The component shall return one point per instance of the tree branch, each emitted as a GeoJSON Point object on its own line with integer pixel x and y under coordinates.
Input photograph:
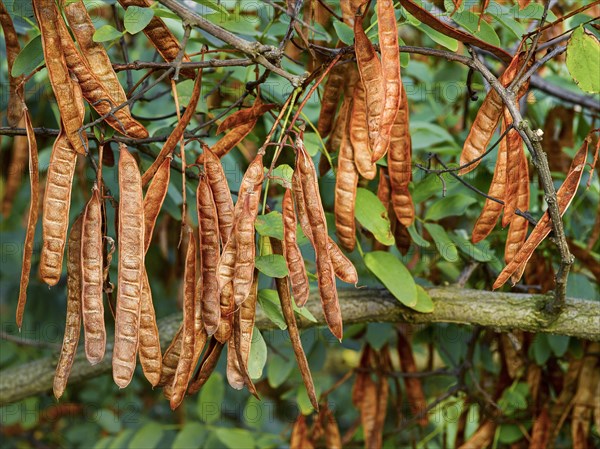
{"type": "Point", "coordinates": [497, 310]}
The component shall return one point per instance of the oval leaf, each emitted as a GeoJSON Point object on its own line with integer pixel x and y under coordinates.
{"type": "Point", "coordinates": [583, 60]}
{"type": "Point", "coordinates": [137, 18]}
{"type": "Point", "coordinates": [394, 275]}
{"type": "Point", "coordinates": [445, 246]}
{"type": "Point", "coordinates": [29, 58]}
{"type": "Point", "coordinates": [106, 33]}
{"type": "Point", "coordinates": [272, 265]}
{"type": "Point", "coordinates": [372, 215]}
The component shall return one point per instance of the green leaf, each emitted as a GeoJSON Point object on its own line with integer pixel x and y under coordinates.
{"type": "Point", "coordinates": [279, 369]}
{"type": "Point", "coordinates": [30, 57]}
{"type": "Point", "coordinates": [148, 437]}
{"type": "Point", "coordinates": [558, 343]}
{"type": "Point", "coordinates": [480, 252]}
{"type": "Point", "coordinates": [269, 302]}
{"type": "Point", "coordinates": [191, 436]}
{"type": "Point", "coordinates": [394, 275]}
{"type": "Point", "coordinates": [445, 246]}
{"type": "Point", "coordinates": [583, 60]}
{"type": "Point", "coordinates": [304, 312]}
{"type": "Point", "coordinates": [270, 225]}
{"type": "Point", "coordinates": [510, 433]}
{"type": "Point", "coordinates": [470, 22]}
{"type": "Point", "coordinates": [312, 143]}
{"type": "Point", "coordinates": [404, 57]}
{"type": "Point", "coordinates": [273, 265]}
{"type": "Point", "coordinates": [424, 302]}
{"type": "Point", "coordinates": [214, 6]}
{"type": "Point", "coordinates": [258, 355]}
{"type": "Point", "coordinates": [344, 32]}
{"type": "Point", "coordinates": [210, 400]}
{"type": "Point", "coordinates": [439, 38]}
{"type": "Point", "coordinates": [137, 18]}
{"type": "Point", "coordinates": [235, 438]}
{"type": "Point", "coordinates": [425, 135]}
{"type": "Point", "coordinates": [372, 215]}
{"type": "Point", "coordinates": [449, 206]}
{"type": "Point", "coordinates": [282, 175]}
{"type": "Point", "coordinates": [540, 349]}
{"type": "Point", "coordinates": [417, 238]}
{"type": "Point", "coordinates": [107, 33]}
{"type": "Point", "coordinates": [108, 421]}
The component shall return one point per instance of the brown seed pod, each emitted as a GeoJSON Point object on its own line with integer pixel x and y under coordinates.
{"type": "Point", "coordinates": [184, 366]}
{"type": "Point", "coordinates": [346, 183]}
{"type": "Point", "coordinates": [359, 136]}
{"type": "Point", "coordinates": [207, 366]}
{"type": "Point", "coordinates": [293, 256]}
{"type": "Point", "coordinates": [175, 136]}
{"type": "Point", "coordinates": [73, 324]}
{"type": "Point", "coordinates": [14, 109]}
{"type": "Point", "coordinates": [246, 247]}
{"type": "Point", "coordinates": [399, 166]}
{"type": "Point", "coordinates": [92, 279]}
{"type": "Point", "coordinates": [230, 140]}
{"type": "Point", "coordinates": [371, 75]}
{"type": "Point", "coordinates": [131, 268]}
{"type": "Point", "coordinates": [32, 217]}
{"type": "Point", "coordinates": [95, 93]}
{"type": "Point", "coordinates": [149, 342]}
{"type": "Point", "coordinates": [390, 63]}
{"type": "Point", "coordinates": [307, 178]}
{"type": "Point", "coordinates": [244, 116]}
{"type": "Point", "coordinates": [94, 52]}
{"type": "Point", "coordinates": [16, 168]}
{"type": "Point", "coordinates": [170, 359]}
{"type": "Point", "coordinates": [329, 101]}
{"type": "Point", "coordinates": [221, 194]}
{"type": "Point", "coordinates": [492, 209]}
{"type": "Point", "coordinates": [290, 319]}
{"type": "Point", "coordinates": [161, 37]}
{"type": "Point", "coordinates": [414, 389]}
{"type": "Point", "coordinates": [542, 229]}
{"type": "Point", "coordinates": [227, 306]}
{"type": "Point", "coordinates": [300, 438]}
{"type": "Point", "coordinates": [514, 161]}
{"type": "Point", "coordinates": [64, 91]}
{"type": "Point", "coordinates": [208, 231]}
{"type": "Point", "coordinates": [154, 199]}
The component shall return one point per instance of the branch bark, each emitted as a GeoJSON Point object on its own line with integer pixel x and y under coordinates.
{"type": "Point", "coordinates": [497, 310]}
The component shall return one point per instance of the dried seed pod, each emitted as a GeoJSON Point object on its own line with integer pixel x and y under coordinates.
{"type": "Point", "coordinates": [47, 17]}
{"type": "Point", "coordinates": [482, 437]}
{"type": "Point", "coordinates": [307, 178]}
{"type": "Point", "coordinates": [14, 174]}
{"type": "Point", "coordinates": [149, 342]}
{"type": "Point", "coordinates": [154, 199]}
{"type": "Point", "coordinates": [230, 140]}
{"type": "Point", "coordinates": [32, 217]}
{"type": "Point", "coordinates": [161, 37]}
{"type": "Point", "coordinates": [290, 319]}
{"type": "Point", "coordinates": [227, 306]}
{"type": "Point", "coordinates": [184, 366]}
{"type": "Point", "coordinates": [131, 268]}
{"type": "Point", "coordinates": [244, 116]}
{"type": "Point", "coordinates": [300, 438]}
{"type": "Point", "coordinates": [293, 256]}
{"type": "Point", "coordinates": [492, 209]}
{"type": "Point", "coordinates": [92, 280]}
{"type": "Point", "coordinates": [14, 109]}
{"type": "Point", "coordinates": [414, 389]}
{"type": "Point", "coordinates": [333, 439]}
{"type": "Point", "coordinates": [371, 75]}
{"type": "Point", "coordinates": [390, 63]}
{"type": "Point", "coordinates": [170, 359]}
{"type": "Point", "coordinates": [220, 191]}
{"type": "Point", "coordinates": [359, 136]}
{"type": "Point", "coordinates": [175, 136]}
{"type": "Point", "coordinates": [346, 183]}
{"type": "Point", "coordinates": [57, 202]}
{"type": "Point", "coordinates": [207, 366]}
{"type": "Point", "coordinates": [246, 247]}
{"type": "Point", "coordinates": [340, 127]}
{"type": "Point", "coordinates": [329, 100]}
{"type": "Point", "coordinates": [73, 324]}
{"type": "Point", "coordinates": [399, 166]}
{"type": "Point", "coordinates": [514, 161]}
{"type": "Point", "coordinates": [94, 52]}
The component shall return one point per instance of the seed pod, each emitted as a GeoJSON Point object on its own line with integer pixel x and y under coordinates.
{"type": "Point", "coordinates": [246, 247]}
{"type": "Point", "coordinates": [414, 389]}
{"type": "Point", "coordinates": [290, 319]}
{"type": "Point", "coordinates": [333, 439]}
{"type": "Point", "coordinates": [340, 127]}
{"type": "Point", "coordinates": [161, 37]}
{"type": "Point", "coordinates": [359, 136]}
{"type": "Point", "coordinates": [300, 438]}
{"type": "Point", "coordinates": [514, 161]}
{"type": "Point", "coordinates": [14, 109]}
{"type": "Point", "coordinates": [184, 366]}
{"type": "Point", "coordinates": [149, 342]}
{"type": "Point", "coordinates": [399, 166]}
{"type": "Point", "coordinates": [95, 93]}
{"type": "Point", "coordinates": [230, 140]}
{"type": "Point", "coordinates": [92, 279]}
{"type": "Point", "coordinates": [244, 116]}
{"type": "Point", "coordinates": [293, 256]}
{"type": "Point", "coordinates": [208, 231]}
{"type": "Point", "coordinates": [175, 136]}
{"type": "Point", "coordinates": [371, 75]}
{"type": "Point", "coordinates": [73, 324]}
{"type": "Point", "coordinates": [207, 366]}
{"type": "Point", "coordinates": [346, 183]}
{"type": "Point", "coordinates": [492, 209]}
{"type": "Point", "coordinates": [16, 168]}
{"type": "Point", "coordinates": [390, 63]}
{"type": "Point", "coordinates": [564, 195]}
{"type": "Point", "coordinates": [227, 306]}
{"type": "Point", "coordinates": [32, 217]}
{"type": "Point", "coordinates": [329, 100]}
{"type": "Point", "coordinates": [221, 194]}
{"type": "Point", "coordinates": [131, 268]}
{"type": "Point", "coordinates": [47, 17]}
{"type": "Point", "coordinates": [94, 52]}
{"type": "Point", "coordinates": [307, 178]}
{"type": "Point", "coordinates": [154, 199]}
{"type": "Point", "coordinates": [170, 359]}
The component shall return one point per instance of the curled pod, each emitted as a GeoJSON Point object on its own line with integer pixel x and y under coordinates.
{"type": "Point", "coordinates": [399, 166]}
{"type": "Point", "coordinates": [220, 191]}
{"type": "Point", "coordinates": [14, 109]}
{"type": "Point", "coordinates": [230, 140]}
{"type": "Point", "coordinates": [73, 324]}
{"type": "Point", "coordinates": [154, 199]}
{"type": "Point", "coordinates": [244, 116]}
{"type": "Point", "coordinates": [32, 217]}
{"type": "Point", "coordinates": [92, 279]}
{"type": "Point", "coordinates": [170, 359]}
{"type": "Point", "coordinates": [207, 366]}
{"type": "Point", "coordinates": [64, 91]}
{"type": "Point", "coordinates": [149, 342]}
{"type": "Point", "coordinates": [293, 256]}
{"type": "Point", "coordinates": [130, 270]}
{"type": "Point", "coordinates": [514, 162]}
{"type": "Point", "coordinates": [208, 232]}
{"type": "Point", "coordinates": [359, 136]}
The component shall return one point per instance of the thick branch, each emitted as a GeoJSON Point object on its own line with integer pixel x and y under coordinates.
{"type": "Point", "coordinates": [496, 310]}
